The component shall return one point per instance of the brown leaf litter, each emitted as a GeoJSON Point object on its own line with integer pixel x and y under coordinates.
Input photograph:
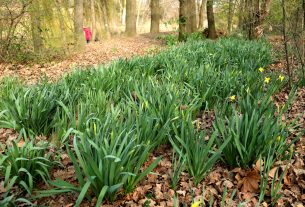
{"type": "Point", "coordinates": [94, 54]}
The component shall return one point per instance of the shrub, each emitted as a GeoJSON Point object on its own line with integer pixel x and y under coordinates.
{"type": "Point", "coordinates": [170, 39]}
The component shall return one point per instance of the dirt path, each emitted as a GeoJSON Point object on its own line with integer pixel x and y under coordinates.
{"type": "Point", "coordinates": [94, 54]}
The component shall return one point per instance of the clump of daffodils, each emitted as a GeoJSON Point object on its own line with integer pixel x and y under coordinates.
{"type": "Point", "coordinates": [267, 80]}
{"type": "Point", "coordinates": [232, 98]}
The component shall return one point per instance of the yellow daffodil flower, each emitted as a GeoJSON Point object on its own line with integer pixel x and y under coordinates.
{"type": "Point", "coordinates": [261, 69]}
{"type": "Point", "coordinates": [281, 77]}
{"type": "Point", "coordinates": [198, 125]}
{"type": "Point", "coordinates": [196, 204]}
{"type": "Point", "coordinates": [267, 80]}
{"type": "Point", "coordinates": [232, 98]}
{"type": "Point", "coordinates": [278, 139]}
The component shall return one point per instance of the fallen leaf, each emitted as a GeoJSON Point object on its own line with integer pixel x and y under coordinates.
{"type": "Point", "coordinates": [20, 143]}
{"type": "Point", "coordinates": [181, 192]}
{"type": "Point", "coordinates": [259, 165]}
{"type": "Point", "coordinates": [250, 182]}
{"type": "Point", "coordinates": [272, 172]}
{"type": "Point", "coordinates": [228, 184]}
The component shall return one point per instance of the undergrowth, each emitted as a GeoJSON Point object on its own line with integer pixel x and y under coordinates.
{"type": "Point", "coordinates": [118, 114]}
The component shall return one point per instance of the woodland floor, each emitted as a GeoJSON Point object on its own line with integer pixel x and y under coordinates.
{"type": "Point", "coordinates": [95, 53]}
{"type": "Point", "coordinates": [156, 189]}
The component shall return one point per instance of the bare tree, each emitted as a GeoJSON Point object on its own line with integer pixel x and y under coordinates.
{"type": "Point", "coordinates": [78, 23]}
{"type": "Point", "coordinates": [61, 19]}
{"type": "Point", "coordinates": [131, 18]}
{"type": "Point", "coordinates": [155, 16]}
{"type": "Point", "coordinates": [241, 14]}
{"type": "Point", "coordinates": [36, 26]}
{"type": "Point", "coordinates": [202, 11]}
{"type": "Point", "coordinates": [286, 41]}
{"type": "Point", "coordinates": [258, 10]}
{"type": "Point", "coordinates": [230, 15]}
{"type": "Point", "coordinates": [184, 25]}
{"type": "Point", "coordinates": [304, 15]}
{"type": "Point", "coordinates": [192, 15]}
{"type": "Point", "coordinates": [211, 20]}
{"type": "Point", "coordinates": [93, 20]}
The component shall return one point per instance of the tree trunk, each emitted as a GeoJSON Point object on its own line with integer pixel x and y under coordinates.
{"type": "Point", "coordinates": [241, 15]}
{"type": "Point", "coordinates": [155, 16]}
{"type": "Point", "coordinates": [230, 16]}
{"type": "Point", "coordinates": [78, 24]}
{"type": "Point", "coordinates": [257, 13]}
{"type": "Point", "coordinates": [103, 20]}
{"type": "Point", "coordinates": [303, 36]}
{"type": "Point", "coordinates": [36, 26]}
{"type": "Point", "coordinates": [61, 23]}
{"type": "Point", "coordinates": [109, 5]}
{"type": "Point", "coordinates": [211, 20]}
{"type": "Point", "coordinates": [184, 22]}
{"type": "Point", "coordinates": [122, 11]}
{"type": "Point", "coordinates": [304, 15]}
{"type": "Point", "coordinates": [286, 41]}
{"type": "Point", "coordinates": [131, 18]}
{"type": "Point", "coordinates": [201, 14]}
{"type": "Point", "coordinates": [192, 15]}
{"type": "Point", "coordinates": [93, 20]}
{"type": "Point", "coordinates": [139, 6]}
{"type": "Point", "coordinates": [250, 19]}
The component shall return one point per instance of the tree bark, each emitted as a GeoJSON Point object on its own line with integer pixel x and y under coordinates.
{"type": "Point", "coordinates": [184, 25]}
{"type": "Point", "coordinates": [109, 5]}
{"type": "Point", "coordinates": [201, 14]}
{"type": "Point", "coordinates": [257, 13]}
{"type": "Point", "coordinates": [61, 22]}
{"type": "Point", "coordinates": [103, 20]}
{"type": "Point", "coordinates": [241, 15]}
{"type": "Point", "coordinates": [122, 11]}
{"type": "Point", "coordinates": [192, 15]}
{"type": "Point", "coordinates": [303, 35]}
{"type": "Point", "coordinates": [286, 41]}
{"type": "Point", "coordinates": [36, 27]}
{"type": "Point", "coordinates": [155, 16]}
{"type": "Point", "coordinates": [139, 6]}
{"type": "Point", "coordinates": [304, 15]}
{"type": "Point", "coordinates": [131, 18]}
{"type": "Point", "coordinates": [78, 24]}
{"type": "Point", "coordinates": [230, 16]}
{"type": "Point", "coordinates": [93, 19]}
{"type": "Point", "coordinates": [211, 20]}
